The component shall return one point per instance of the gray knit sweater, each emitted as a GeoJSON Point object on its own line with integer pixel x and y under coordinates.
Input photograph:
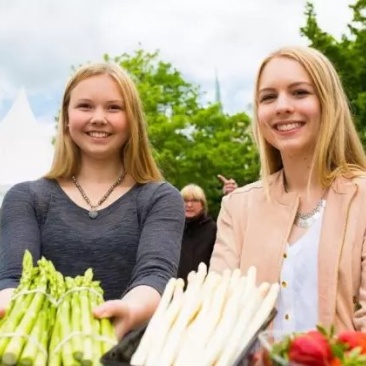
{"type": "Point", "coordinates": [134, 241]}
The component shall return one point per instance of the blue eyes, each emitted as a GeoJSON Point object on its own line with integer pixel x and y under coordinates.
{"type": "Point", "coordinates": [115, 107]}
{"type": "Point", "coordinates": [299, 93]}
{"type": "Point", "coordinates": [83, 106]}
{"type": "Point", "coordinates": [86, 106]}
{"type": "Point", "coordinates": [267, 97]}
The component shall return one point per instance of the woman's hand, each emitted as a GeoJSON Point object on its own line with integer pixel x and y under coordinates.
{"type": "Point", "coordinates": [5, 297]}
{"type": "Point", "coordinates": [133, 310]}
{"type": "Point", "coordinates": [120, 312]}
{"type": "Point", "coordinates": [229, 185]}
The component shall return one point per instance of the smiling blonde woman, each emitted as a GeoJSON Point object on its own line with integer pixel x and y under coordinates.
{"type": "Point", "coordinates": [103, 204]}
{"type": "Point", "coordinates": [303, 225]}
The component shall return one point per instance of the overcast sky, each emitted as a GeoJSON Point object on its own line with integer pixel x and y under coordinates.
{"type": "Point", "coordinates": [41, 39]}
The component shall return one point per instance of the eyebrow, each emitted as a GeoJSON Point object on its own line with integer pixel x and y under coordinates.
{"type": "Point", "coordinates": [297, 83]}
{"type": "Point", "coordinates": [109, 101]}
{"type": "Point", "coordinates": [115, 101]}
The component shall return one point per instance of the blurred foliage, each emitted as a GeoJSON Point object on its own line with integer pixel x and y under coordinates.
{"type": "Point", "coordinates": [348, 55]}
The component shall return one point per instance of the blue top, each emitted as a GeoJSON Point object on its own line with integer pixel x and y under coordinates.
{"type": "Point", "coordinates": [134, 241]}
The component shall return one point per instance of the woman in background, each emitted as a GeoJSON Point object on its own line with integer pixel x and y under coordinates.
{"type": "Point", "coordinates": [199, 231]}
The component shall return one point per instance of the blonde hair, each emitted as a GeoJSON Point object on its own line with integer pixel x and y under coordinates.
{"type": "Point", "coordinates": [338, 150]}
{"type": "Point", "coordinates": [136, 154]}
{"type": "Point", "coordinates": [196, 192]}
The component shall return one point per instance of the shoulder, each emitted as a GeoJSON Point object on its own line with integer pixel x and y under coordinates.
{"type": "Point", "coordinates": [248, 188]}
{"type": "Point", "coordinates": [151, 189]}
{"type": "Point", "coordinates": [159, 192]}
{"type": "Point", "coordinates": [244, 193]}
{"type": "Point", "coordinates": [361, 180]}
{"type": "Point", "coordinates": [256, 188]}
{"type": "Point", "coordinates": [211, 223]}
{"type": "Point", "coordinates": [30, 191]}
{"type": "Point", "coordinates": [343, 184]}
{"type": "Point", "coordinates": [253, 193]}
{"type": "Point", "coordinates": [33, 185]}
{"type": "Point", "coordinates": [19, 189]}
{"type": "Point", "coordinates": [160, 199]}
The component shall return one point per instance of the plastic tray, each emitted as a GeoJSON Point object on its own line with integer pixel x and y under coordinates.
{"type": "Point", "coordinates": [121, 354]}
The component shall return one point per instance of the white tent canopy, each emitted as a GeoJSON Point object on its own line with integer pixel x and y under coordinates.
{"type": "Point", "coordinates": [26, 148]}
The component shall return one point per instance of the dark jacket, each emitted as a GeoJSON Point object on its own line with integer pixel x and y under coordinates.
{"type": "Point", "coordinates": [198, 241]}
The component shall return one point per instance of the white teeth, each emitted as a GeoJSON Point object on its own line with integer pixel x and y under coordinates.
{"type": "Point", "coordinates": [288, 126]}
{"type": "Point", "coordinates": [98, 134]}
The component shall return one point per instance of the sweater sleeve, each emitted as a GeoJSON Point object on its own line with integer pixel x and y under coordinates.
{"type": "Point", "coordinates": [19, 231]}
{"type": "Point", "coordinates": [160, 239]}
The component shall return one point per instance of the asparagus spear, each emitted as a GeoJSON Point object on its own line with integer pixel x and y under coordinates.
{"type": "Point", "coordinates": [106, 326]}
{"type": "Point", "coordinates": [54, 358]}
{"type": "Point", "coordinates": [86, 318]}
{"type": "Point", "coordinates": [76, 324]}
{"type": "Point", "coordinates": [39, 330]}
{"type": "Point", "coordinates": [42, 357]}
{"type": "Point", "coordinates": [65, 325]}
{"type": "Point", "coordinates": [14, 316]}
{"type": "Point", "coordinates": [15, 346]}
{"type": "Point", "coordinates": [55, 337]}
{"type": "Point", "coordinates": [97, 343]}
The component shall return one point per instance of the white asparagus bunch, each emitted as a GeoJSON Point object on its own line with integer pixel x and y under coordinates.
{"type": "Point", "coordinates": [209, 323]}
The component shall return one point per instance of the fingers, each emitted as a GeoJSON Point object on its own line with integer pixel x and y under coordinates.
{"type": "Point", "coordinates": [120, 328]}
{"type": "Point", "coordinates": [5, 298]}
{"type": "Point", "coordinates": [222, 178]}
{"type": "Point", "coordinates": [120, 313]}
{"type": "Point", "coordinates": [111, 309]}
{"type": "Point", "coordinates": [226, 181]}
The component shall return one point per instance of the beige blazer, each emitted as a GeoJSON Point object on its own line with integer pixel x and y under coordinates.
{"type": "Point", "coordinates": [253, 231]}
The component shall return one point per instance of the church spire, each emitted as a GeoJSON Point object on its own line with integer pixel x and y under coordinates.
{"type": "Point", "coordinates": [217, 90]}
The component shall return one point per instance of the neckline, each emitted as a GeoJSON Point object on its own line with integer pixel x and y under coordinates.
{"type": "Point", "coordinates": [104, 209]}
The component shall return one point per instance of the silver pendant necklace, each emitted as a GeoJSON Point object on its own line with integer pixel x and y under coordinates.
{"type": "Point", "coordinates": [308, 219]}
{"type": "Point", "coordinates": [93, 213]}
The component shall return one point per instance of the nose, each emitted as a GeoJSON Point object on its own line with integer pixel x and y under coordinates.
{"type": "Point", "coordinates": [284, 105]}
{"type": "Point", "coordinates": [98, 117]}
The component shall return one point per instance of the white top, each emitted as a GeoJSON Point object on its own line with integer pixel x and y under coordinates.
{"type": "Point", "coordinates": [297, 305]}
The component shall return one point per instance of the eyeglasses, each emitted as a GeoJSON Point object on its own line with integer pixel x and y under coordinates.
{"type": "Point", "coordinates": [192, 200]}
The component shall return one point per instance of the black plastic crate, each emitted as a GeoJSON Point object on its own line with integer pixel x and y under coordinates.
{"type": "Point", "coordinates": [121, 354]}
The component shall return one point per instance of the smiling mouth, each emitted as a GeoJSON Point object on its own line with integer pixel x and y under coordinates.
{"type": "Point", "coordinates": [98, 134]}
{"type": "Point", "coordinates": [288, 126]}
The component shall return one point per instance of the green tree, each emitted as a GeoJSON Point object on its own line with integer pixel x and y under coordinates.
{"type": "Point", "coordinates": [347, 54]}
{"type": "Point", "coordinates": [193, 143]}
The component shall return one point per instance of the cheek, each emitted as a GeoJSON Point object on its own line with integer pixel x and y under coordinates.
{"type": "Point", "coordinates": [121, 123]}
{"type": "Point", "coordinates": [76, 119]}
{"type": "Point", "coordinates": [199, 208]}
{"type": "Point", "coordinates": [311, 107]}
{"type": "Point", "coordinates": [264, 115]}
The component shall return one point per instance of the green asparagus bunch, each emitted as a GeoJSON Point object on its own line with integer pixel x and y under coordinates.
{"type": "Point", "coordinates": [49, 320]}
{"type": "Point", "coordinates": [25, 321]}
{"type": "Point", "coordinates": [78, 337]}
